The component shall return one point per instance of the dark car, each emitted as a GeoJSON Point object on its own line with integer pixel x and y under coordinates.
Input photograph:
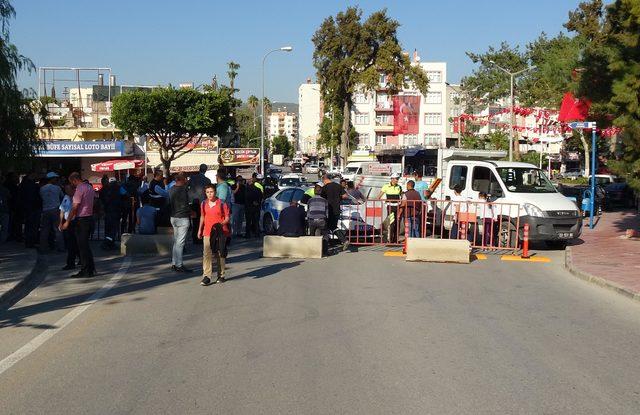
{"type": "Point", "coordinates": [296, 168]}
{"type": "Point", "coordinates": [618, 195]}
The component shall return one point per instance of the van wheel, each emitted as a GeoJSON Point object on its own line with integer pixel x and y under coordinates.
{"type": "Point", "coordinates": [267, 225]}
{"type": "Point", "coordinates": [507, 235]}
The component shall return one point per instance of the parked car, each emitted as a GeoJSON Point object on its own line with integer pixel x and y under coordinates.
{"type": "Point", "coordinates": [618, 195]}
{"type": "Point", "coordinates": [291, 180]}
{"type": "Point", "coordinates": [312, 168]}
{"type": "Point", "coordinates": [272, 206]}
{"type": "Point", "coordinates": [572, 174]}
{"type": "Point", "coordinates": [296, 167]}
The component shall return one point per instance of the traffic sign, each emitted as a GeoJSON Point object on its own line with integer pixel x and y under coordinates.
{"type": "Point", "coordinates": [582, 124]}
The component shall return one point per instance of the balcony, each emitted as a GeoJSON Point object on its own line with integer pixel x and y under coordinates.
{"type": "Point", "coordinates": [384, 126]}
{"type": "Point", "coordinates": [384, 106]}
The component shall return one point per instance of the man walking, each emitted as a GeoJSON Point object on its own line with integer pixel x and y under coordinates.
{"type": "Point", "coordinates": [253, 200]}
{"type": "Point", "coordinates": [180, 220]}
{"type": "Point", "coordinates": [68, 234]}
{"type": "Point", "coordinates": [29, 196]}
{"type": "Point", "coordinates": [82, 215]}
{"type": "Point", "coordinates": [197, 184]}
{"type": "Point", "coordinates": [51, 195]}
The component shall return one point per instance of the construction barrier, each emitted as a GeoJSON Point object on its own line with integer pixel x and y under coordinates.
{"type": "Point", "coordinates": [486, 225]}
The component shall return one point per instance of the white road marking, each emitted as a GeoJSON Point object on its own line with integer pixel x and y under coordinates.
{"type": "Point", "coordinates": [39, 340]}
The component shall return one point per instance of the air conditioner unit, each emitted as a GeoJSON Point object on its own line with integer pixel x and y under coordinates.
{"type": "Point", "coordinates": [104, 121]}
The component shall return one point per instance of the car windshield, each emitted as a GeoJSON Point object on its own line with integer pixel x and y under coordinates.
{"type": "Point", "coordinates": [525, 180]}
{"type": "Point", "coordinates": [351, 169]}
{"type": "Point", "coordinates": [289, 182]}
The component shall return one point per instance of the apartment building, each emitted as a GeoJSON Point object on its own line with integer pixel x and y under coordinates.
{"type": "Point", "coordinates": [284, 123]}
{"type": "Point", "coordinates": [310, 116]}
{"type": "Point", "coordinates": [373, 113]}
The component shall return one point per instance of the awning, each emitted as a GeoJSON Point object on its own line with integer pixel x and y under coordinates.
{"type": "Point", "coordinates": [114, 165]}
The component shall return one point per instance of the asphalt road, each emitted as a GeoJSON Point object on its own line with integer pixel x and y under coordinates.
{"type": "Point", "coordinates": [358, 333]}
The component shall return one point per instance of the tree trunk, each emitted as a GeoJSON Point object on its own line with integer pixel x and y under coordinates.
{"type": "Point", "coordinates": [166, 163]}
{"type": "Point", "coordinates": [344, 143]}
{"type": "Point", "coordinates": [516, 139]}
{"type": "Point", "coordinates": [587, 155]}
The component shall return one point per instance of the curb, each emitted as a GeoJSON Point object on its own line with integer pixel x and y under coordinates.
{"type": "Point", "coordinates": [26, 285]}
{"type": "Point", "coordinates": [568, 263]}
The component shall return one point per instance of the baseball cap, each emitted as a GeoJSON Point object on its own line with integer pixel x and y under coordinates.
{"type": "Point", "coordinates": [259, 176]}
{"type": "Point", "coordinates": [395, 176]}
{"type": "Point", "coordinates": [112, 179]}
{"type": "Point", "coordinates": [52, 175]}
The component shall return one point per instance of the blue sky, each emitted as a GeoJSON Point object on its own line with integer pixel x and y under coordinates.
{"type": "Point", "coordinates": [155, 42]}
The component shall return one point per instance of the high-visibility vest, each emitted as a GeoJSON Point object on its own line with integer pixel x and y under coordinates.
{"type": "Point", "coordinates": [259, 186]}
{"type": "Point", "coordinates": [310, 192]}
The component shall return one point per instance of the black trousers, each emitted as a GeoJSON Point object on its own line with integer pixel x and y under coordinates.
{"type": "Point", "coordinates": [195, 221]}
{"type": "Point", "coordinates": [252, 217]}
{"type": "Point", "coordinates": [71, 243]}
{"type": "Point", "coordinates": [31, 227]}
{"type": "Point", "coordinates": [111, 224]}
{"type": "Point", "coordinates": [84, 229]}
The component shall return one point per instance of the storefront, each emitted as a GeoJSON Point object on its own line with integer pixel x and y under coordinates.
{"type": "Point", "coordinates": [65, 156]}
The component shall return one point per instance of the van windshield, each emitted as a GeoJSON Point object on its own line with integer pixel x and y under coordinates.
{"type": "Point", "coordinates": [352, 169]}
{"type": "Point", "coordinates": [525, 180]}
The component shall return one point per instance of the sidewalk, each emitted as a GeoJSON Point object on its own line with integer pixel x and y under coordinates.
{"type": "Point", "coordinates": [606, 257]}
{"type": "Point", "coordinates": [17, 269]}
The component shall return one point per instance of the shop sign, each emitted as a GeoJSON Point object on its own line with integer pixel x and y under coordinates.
{"type": "Point", "coordinates": [240, 156]}
{"type": "Point", "coordinates": [65, 148]}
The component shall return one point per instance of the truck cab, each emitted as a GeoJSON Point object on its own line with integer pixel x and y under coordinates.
{"type": "Point", "coordinates": [551, 216]}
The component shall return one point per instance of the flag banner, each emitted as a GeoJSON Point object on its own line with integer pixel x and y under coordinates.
{"type": "Point", "coordinates": [406, 114]}
{"type": "Point", "coordinates": [573, 109]}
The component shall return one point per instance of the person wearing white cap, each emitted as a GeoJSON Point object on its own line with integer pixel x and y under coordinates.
{"type": "Point", "coordinates": [51, 195]}
{"type": "Point", "coordinates": [392, 191]}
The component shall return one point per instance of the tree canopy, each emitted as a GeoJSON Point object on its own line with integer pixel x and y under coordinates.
{"type": "Point", "coordinates": [280, 145]}
{"type": "Point", "coordinates": [18, 135]}
{"type": "Point", "coordinates": [351, 54]}
{"type": "Point", "coordinates": [173, 118]}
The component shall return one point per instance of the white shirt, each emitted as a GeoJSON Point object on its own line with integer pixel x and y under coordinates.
{"type": "Point", "coordinates": [66, 205]}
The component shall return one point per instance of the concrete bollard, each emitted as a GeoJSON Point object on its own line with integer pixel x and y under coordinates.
{"type": "Point", "coordinates": [283, 247]}
{"type": "Point", "coordinates": [146, 245]}
{"type": "Point", "coordinates": [439, 250]}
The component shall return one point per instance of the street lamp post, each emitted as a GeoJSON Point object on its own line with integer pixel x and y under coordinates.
{"type": "Point", "coordinates": [282, 49]}
{"type": "Point", "coordinates": [512, 75]}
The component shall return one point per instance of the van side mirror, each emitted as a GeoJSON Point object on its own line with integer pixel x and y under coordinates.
{"type": "Point", "coordinates": [495, 190]}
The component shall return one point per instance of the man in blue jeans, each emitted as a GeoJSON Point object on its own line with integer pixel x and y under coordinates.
{"type": "Point", "coordinates": [412, 209]}
{"type": "Point", "coordinates": [180, 220]}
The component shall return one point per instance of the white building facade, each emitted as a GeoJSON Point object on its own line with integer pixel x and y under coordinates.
{"type": "Point", "coordinates": [310, 116]}
{"type": "Point", "coordinates": [372, 115]}
{"type": "Point", "coordinates": [283, 123]}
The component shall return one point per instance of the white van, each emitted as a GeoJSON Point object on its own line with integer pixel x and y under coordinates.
{"type": "Point", "coordinates": [354, 169]}
{"type": "Point", "coordinates": [551, 216]}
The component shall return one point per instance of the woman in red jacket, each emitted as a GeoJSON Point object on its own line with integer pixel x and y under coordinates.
{"type": "Point", "coordinates": [214, 230]}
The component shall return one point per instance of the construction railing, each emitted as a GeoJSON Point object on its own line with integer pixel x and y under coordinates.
{"type": "Point", "coordinates": [486, 225]}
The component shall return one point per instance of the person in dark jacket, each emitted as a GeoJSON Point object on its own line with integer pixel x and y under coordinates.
{"type": "Point", "coordinates": [112, 202]}
{"type": "Point", "coordinates": [180, 220]}
{"type": "Point", "coordinates": [195, 188]}
{"type": "Point", "coordinates": [29, 196]}
{"type": "Point", "coordinates": [291, 222]}
{"type": "Point", "coordinates": [253, 201]}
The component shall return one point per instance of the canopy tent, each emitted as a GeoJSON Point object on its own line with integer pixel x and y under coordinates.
{"type": "Point", "coordinates": [115, 165]}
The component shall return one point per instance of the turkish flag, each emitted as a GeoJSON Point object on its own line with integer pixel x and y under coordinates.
{"type": "Point", "coordinates": [406, 111]}
{"type": "Point", "coordinates": [573, 109]}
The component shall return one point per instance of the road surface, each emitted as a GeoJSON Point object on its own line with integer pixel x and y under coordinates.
{"type": "Point", "coordinates": [358, 333]}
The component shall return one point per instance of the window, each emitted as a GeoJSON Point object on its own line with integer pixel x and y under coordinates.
{"type": "Point", "coordinates": [297, 195]}
{"type": "Point", "coordinates": [458, 177]}
{"type": "Point", "coordinates": [363, 139]}
{"type": "Point", "coordinates": [432, 139]}
{"type": "Point", "coordinates": [384, 119]}
{"type": "Point", "coordinates": [433, 98]}
{"type": "Point", "coordinates": [361, 118]}
{"type": "Point", "coordinates": [383, 79]}
{"type": "Point", "coordinates": [381, 140]}
{"type": "Point", "coordinates": [455, 111]}
{"type": "Point", "coordinates": [361, 98]}
{"type": "Point", "coordinates": [411, 139]}
{"type": "Point", "coordinates": [285, 196]}
{"type": "Point", "coordinates": [434, 76]}
{"type": "Point", "coordinates": [525, 180]}
{"type": "Point", "coordinates": [482, 179]}
{"type": "Point", "coordinates": [433, 118]}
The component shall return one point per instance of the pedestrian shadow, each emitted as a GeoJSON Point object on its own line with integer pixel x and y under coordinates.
{"type": "Point", "coordinates": [266, 271]}
{"type": "Point", "coordinates": [17, 316]}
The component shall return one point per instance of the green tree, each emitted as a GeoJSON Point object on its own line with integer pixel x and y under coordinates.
{"type": "Point", "coordinates": [330, 133]}
{"type": "Point", "coordinates": [281, 145]}
{"type": "Point", "coordinates": [173, 118]}
{"type": "Point", "coordinates": [253, 102]}
{"type": "Point", "coordinates": [19, 141]}
{"type": "Point", "coordinates": [351, 55]}
{"type": "Point", "coordinates": [497, 140]}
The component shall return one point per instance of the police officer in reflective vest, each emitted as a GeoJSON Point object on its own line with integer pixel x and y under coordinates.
{"type": "Point", "coordinates": [392, 191]}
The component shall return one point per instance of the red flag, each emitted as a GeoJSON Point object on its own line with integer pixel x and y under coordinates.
{"type": "Point", "coordinates": [573, 108]}
{"type": "Point", "coordinates": [406, 114]}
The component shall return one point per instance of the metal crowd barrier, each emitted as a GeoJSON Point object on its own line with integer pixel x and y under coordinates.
{"type": "Point", "coordinates": [486, 225]}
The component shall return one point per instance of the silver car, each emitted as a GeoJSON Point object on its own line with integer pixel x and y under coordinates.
{"type": "Point", "coordinates": [272, 206]}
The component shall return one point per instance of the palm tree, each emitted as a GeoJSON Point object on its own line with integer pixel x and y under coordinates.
{"type": "Point", "coordinates": [252, 103]}
{"type": "Point", "coordinates": [232, 73]}
{"type": "Point", "coordinates": [267, 106]}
